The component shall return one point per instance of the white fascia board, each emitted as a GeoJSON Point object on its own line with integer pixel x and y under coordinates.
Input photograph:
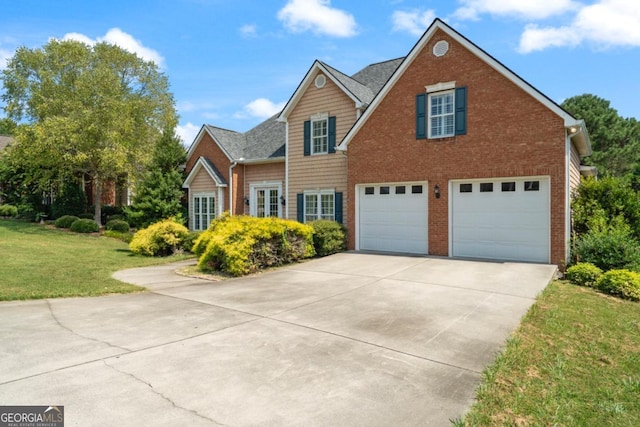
{"type": "Point", "coordinates": [204, 130]}
{"type": "Point", "coordinates": [196, 168]}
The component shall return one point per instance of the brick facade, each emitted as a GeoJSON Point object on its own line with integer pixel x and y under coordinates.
{"type": "Point", "coordinates": [509, 134]}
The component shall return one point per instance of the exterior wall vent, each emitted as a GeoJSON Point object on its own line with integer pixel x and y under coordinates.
{"type": "Point", "coordinates": [440, 48]}
{"type": "Point", "coordinates": [321, 80]}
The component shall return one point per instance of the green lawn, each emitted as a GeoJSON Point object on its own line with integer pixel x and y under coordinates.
{"type": "Point", "coordinates": [38, 262]}
{"type": "Point", "coordinates": [574, 361]}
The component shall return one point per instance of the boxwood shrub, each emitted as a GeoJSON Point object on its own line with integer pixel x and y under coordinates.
{"type": "Point", "coordinates": [160, 239]}
{"type": "Point", "coordinates": [84, 226]}
{"type": "Point", "coordinates": [86, 215]}
{"type": "Point", "coordinates": [65, 221]}
{"type": "Point", "coordinates": [8, 211]}
{"type": "Point", "coordinates": [241, 244]}
{"type": "Point", "coordinates": [583, 274]}
{"type": "Point", "coordinates": [622, 283]}
{"type": "Point", "coordinates": [329, 237]}
{"type": "Point", "coordinates": [117, 225]}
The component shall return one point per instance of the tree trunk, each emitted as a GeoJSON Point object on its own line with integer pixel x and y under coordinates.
{"type": "Point", "coordinates": [97, 200]}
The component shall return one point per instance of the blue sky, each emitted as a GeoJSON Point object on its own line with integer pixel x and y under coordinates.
{"type": "Point", "coordinates": [233, 63]}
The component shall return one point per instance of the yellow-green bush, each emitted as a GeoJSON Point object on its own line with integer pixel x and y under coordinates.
{"type": "Point", "coordinates": [243, 244]}
{"type": "Point", "coordinates": [160, 239]}
{"type": "Point", "coordinates": [621, 283]}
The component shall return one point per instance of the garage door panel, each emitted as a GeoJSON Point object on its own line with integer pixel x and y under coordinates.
{"type": "Point", "coordinates": [392, 222]}
{"type": "Point", "coordinates": [510, 225]}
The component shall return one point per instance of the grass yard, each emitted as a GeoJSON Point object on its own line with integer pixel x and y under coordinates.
{"type": "Point", "coordinates": [574, 361]}
{"type": "Point", "coordinates": [38, 262]}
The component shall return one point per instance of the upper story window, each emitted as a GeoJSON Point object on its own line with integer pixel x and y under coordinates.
{"type": "Point", "coordinates": [319, 137]}
{"type": "Point", "coordinates": [320, 134]}
{"type": "Point", "coordinates": [441, 114]}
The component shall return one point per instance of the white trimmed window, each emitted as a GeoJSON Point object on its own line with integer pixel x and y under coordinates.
{"type": "Point", "coordinates": [204, 211]}
{"type": "Point", "coordinates": [265, 199]}
{"type": "Point", "coordinates": [319, 205]}
{"type": "Point", "coordinates": [441, 114]}
{"type": "Point", "coordinates": [319, 136]}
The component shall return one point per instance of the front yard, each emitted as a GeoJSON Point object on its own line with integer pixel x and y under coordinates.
{"type": "Point", "coordinates": [39, 262]}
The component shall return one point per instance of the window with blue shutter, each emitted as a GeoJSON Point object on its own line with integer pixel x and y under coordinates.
{"type": "Point", "coordinates": [338, 204]}
{"type": "Point", "coordinates": [461, 110]}
{"type": "Point", "coordinates": [307, 138]}
{"type": "Point", "coordinates": [332, 134]}
{"type": "Point", "coordinates": [300, 207]}
{"type": "Point", "coordinates": [421, 116]}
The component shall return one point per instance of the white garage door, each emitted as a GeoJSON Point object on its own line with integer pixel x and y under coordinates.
{"type": "Point", "coordinates": [501, 219]}
{"type": "Point", "coordinates": [393, 217]}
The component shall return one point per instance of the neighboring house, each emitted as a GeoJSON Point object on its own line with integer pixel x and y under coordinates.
{"type": "Point", "coordinates": [443, 152]}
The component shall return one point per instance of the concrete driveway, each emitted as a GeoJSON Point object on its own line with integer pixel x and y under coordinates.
{"type": "Point", "coordinates": [353, 339]}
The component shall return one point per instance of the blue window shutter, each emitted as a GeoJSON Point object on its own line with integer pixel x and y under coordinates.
{"type": "Point", "coordinates": [332, 134]}
{"type": "Point", "coordinates": [307, 138]}
{"type": "Point", "coordinates": [300, 206]}
{"type": "Point", "coordinates": [338, 207]}
{"type": "Point", "coordinates": [461, 110]}
{"type": "Point", "coordinates": [421, 116]}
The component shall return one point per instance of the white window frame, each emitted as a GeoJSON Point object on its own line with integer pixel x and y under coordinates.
{"type": "Point", "coordinates": [318, 214]}
{"type": "Point", "coordinates": [442, 116]}
{"type": "Point", "coordinates": [320, 118]}
{"type": "Point", "coordinates": [202, 220]}
{"type": "Point", "coordinates": [267, 186]}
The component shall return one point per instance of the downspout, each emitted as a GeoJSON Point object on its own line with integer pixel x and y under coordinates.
{"type": "Point", "coordinates": [233, 165]}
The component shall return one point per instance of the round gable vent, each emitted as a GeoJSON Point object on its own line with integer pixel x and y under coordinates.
{"type": "Point", "coordinates": [321, 80]}
{"type": "Point", "coordinates": [441, 48]}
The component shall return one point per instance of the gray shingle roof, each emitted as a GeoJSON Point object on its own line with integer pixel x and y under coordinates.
{"type": "Point", "coordinates": [265, 141]}
{"type": "Point", "coordinates": [374, 76]}
{"type": "Point", "coordinates": [359, 90]}
{"type": "Point", "coordinates": [215, 170]}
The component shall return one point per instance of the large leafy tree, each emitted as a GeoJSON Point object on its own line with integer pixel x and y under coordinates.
{"type": "Point", "coordinates": [615, 139]}
{"type": "Point", "coordinates": [159, 193]}
{"type": "Point", "coordinates": [96, 110]}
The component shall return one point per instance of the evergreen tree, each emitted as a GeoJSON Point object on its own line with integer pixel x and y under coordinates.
{"type": "Point", "coordinates": [70, 200]}
{"type": "Point", "coordinates": [159, 193]}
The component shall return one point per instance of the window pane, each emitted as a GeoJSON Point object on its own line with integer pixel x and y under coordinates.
{"type": "Point", "coordinates": [310, 207]}
{"type": "Point", "coordinates": [486, 187]}
{"type": "Point", "coordinates": [369, 190]}
{"type": "Point", "coordinates": [273, 203]}
{"type": "Point", "coordinates": [400, 189]}
{"type": "Point", "coordinates": [196, 213]}
{"type": "Point", "coordinates": [466, 188]}
{"type": "Point", "coordinates": [327, 206]}
{"type": "Point", "coordinates": [212, 210]}
{"type": "Point", "coordinates": [320, 141]}
{"type": "Point", "coordinates": [441, 117]}
{"type": "Point", "coordinates": [260, 203]}
{"type": "Point", "coordinates": [384, 190]}
{"type": "Point", "coordinates": [532, 186]}
{"type": "Point", "coordinates": [508, 186]}
{"type": "Point", "coordinates": [416, 189]}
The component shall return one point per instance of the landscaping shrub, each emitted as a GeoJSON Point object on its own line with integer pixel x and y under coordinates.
{"type": "Point", "coordinates": [190, 240]}
{"type": "Point", "coordinates": [86, 215]}
{"type": "Point", "coordinates": [609, 247]}
{"type": "Point", "coordinates": [84, 226]}
{"type": "Point", "coordinates": [70, 200]}
{"type": "Point", "coordinates": [242, 244]}
{"type": "Point", "coordinates": [621, 283]}
{"type": "Point", "coordinates": [160, 239]}
{"type": "Point", "coordinates": [583, 274]}
{"type": "Point", "coordinates": [66, 221]}
{"type": "Point", "coordinates": [329, 237]}
{"type": "Point", "coordinates": [117, 225]}
{"type": "Point", "coordinates": [124, 236]}
{"type": "Point", "coordinates": [8, 211]}
{"type": "Point", "coordinates": [121, 217]}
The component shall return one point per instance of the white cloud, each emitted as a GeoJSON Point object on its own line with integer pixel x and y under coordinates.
{"type": "Point", "coordinates": [248, 30]}
{"type": "Point", "coordinates": [187, 133]}
{"type": "Point", "coordinates": [605, 23]}
{"type": "Point", "coordinates": [525, 9]}
{"type": "Point", "coordinates": [5, 55]}
{"type": "Point", "coordinates": [117, 37]}
{"type": "Point", "coordinates": [261, 108]}
{"type": "Point", "coordinates": [415, 22]}
{"type": "Point", "coordinates": [317, 16]}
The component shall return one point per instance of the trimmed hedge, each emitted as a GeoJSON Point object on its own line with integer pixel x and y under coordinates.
{"type": "Point", "coordinates": [65, 221]}
{"type": "Point", "coordinates": [583, 274]}
{"type": "Point", "coordinates": [620, 283]}
{"type": "Point", "coordinates": [9, 211]}
{"type": "Point", "coordinates": [160, 239]}
{"type": "Point", "coordinates": [117, 225]}
{"type": "Point", "coordinates": [241, 244]}
{"type": "Point", "coordinates": [329, 237]}
{"type": "Point", "coordinates": [84, 226]}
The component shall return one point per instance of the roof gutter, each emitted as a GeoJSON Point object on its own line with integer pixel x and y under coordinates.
{"type": "Point", "coordinates": [579, 135]}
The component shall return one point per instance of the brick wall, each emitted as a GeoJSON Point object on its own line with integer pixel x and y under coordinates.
{"type": "Point", "coordinates": [509, 133]}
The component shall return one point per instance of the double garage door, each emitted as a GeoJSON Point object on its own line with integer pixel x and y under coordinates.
{"type": "Point", "coordinates": [505, 219]}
